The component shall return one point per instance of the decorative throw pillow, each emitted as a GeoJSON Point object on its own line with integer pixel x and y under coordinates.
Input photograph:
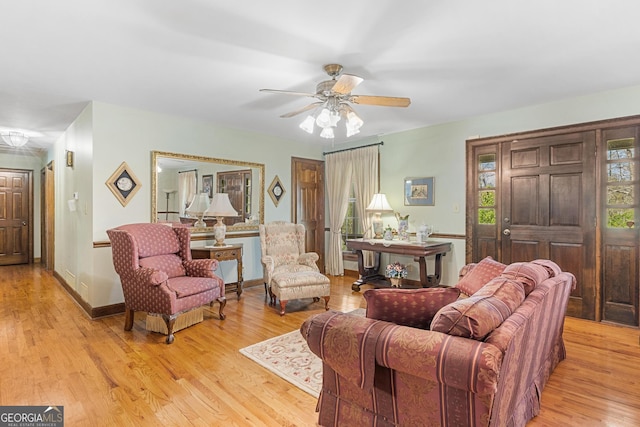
{"type": "Point", "coordinates": [480, 275]}
{"type": "Point", "coordinates": [408, 307]}
{"type": "Point", "coordinates": [475, 317]}
{"type": "Point", "coordinates": [527, 273]}
{"type": "Point", "coordinates": [169, 263]}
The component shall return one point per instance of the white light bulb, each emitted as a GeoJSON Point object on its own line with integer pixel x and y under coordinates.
{"type": "Point", "coordinates": [352, 131]}
{"type": "Point", "coordinates": [324, 118]}
{"type": "Point", "coordinates": [327, 133]}
{"type": "Point", "coordinates": [334, 118]}
{"type": "Point", "coordinates": [307, 124]}
{"type": "Point", "coordinates": [354, 121]}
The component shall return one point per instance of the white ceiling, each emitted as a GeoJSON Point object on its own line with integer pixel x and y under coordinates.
{"type": "Point", "coordinates": [207, 59]}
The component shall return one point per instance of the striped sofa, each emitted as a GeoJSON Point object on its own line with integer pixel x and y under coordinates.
{"type": "Point", "coordinates": [480, 360]}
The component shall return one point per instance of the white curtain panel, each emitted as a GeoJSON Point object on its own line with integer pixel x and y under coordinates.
{"type": "Point", "coordinates": [365, 173]}
{"type": "Point", "coordinates": [339, 171]}
{"type": "Point", "coordinates": [187, 187]}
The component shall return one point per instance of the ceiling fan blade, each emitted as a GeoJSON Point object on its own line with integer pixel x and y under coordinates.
{"type": "Point", "coordinates": [346, 83]}
{"type": "Point", "coordinates": [302, 110]}
{"type": "Point", "coordinates": [385, 101]}
{"type": "Point", "coordinates": [288, 92]}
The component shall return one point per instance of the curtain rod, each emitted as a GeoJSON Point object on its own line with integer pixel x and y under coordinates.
{"type": "Point", "coordinates": [190, 170]}
{"type": "Point", "coordinates": [354, 148]}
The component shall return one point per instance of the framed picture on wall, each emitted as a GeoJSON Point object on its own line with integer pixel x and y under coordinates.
{"type": "Point", "coordinates": [123, 184]}
{"type": "Point", "coordinates": [207, 185]}
{"type": "Point", "coordinates": [418, 192]}
{"type": "Point", "coordinates": [276, 190]}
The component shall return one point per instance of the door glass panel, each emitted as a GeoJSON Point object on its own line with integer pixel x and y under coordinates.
{"type": "Point", "coordinates": [486, 216]}
{"type": "Point", "coordinates": [620, 195]}
{"type": "Point", "coordinates": [620, 171]}
{"type": "Point", "coordinates": [487, 180]}
{"type": "Point", "coordinates": [620, 149]}
{"type": "Point", "coordinates": [487, 198]}
{"type": "Point", "coordinates": [620, 218]}
{"type": "Point", "coordinates": [487, 162]}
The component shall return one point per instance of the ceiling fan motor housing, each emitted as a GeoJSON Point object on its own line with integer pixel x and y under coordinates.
{"type": "Point", "coordinates": [324, 88]}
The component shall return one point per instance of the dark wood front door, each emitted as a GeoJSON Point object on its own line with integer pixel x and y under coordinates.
{"type": "Point", "coordinates": [569, 194]}
{"type": "Point", "coordinates": [307, 202]}
{"type": "Point", "coordinates": [16, 216]}
{"type": "Point", "coordinates": [548, 208]}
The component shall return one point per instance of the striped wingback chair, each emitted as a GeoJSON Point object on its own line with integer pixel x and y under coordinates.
{"type": "Point", "coordinates": [158, 274]}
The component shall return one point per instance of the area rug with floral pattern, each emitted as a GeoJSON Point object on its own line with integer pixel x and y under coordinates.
{"type": "Point", "coordinates": [289, 357]}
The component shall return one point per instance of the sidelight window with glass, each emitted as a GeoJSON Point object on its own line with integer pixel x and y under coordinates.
{"type": "Point", "coordinates": [486, 172]}
{"type": "Point", "coordinates": [621, 166]}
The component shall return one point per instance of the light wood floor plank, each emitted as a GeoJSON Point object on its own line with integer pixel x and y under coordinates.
{"type": "Point", "coordinates": [53, 354]}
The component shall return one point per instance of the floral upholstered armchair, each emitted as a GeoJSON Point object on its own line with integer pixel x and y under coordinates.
{"type": "Point", "coordinates": [158, 274]}
{"type": "Point", "coordinates": [289, 271]}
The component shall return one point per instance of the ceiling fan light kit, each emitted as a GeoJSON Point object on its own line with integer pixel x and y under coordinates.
{"type": "Point", "coordinates": [335, 98]}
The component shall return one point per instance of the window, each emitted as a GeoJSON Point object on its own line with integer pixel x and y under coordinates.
{"type": "Point", "coordinates": [352, 226]}
{"type": "Point", "coordinates": [621, 165]}
{"type": "Point", "coordinates": [487, 189]}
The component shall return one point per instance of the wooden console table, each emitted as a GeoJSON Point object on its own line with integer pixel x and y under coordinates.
{"type": "Point", "coordinates": [223, 253]}
{"type": "Point", "coordinates": [418, 250]}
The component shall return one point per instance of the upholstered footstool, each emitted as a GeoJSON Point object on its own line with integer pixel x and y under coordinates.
{"type": "Point", "coordinates": [297, 285]}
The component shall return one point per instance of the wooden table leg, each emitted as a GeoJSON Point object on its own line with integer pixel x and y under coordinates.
{"type": "Point", "coordinates": [422, 268]}
{"type": "Point", "coordinates": [366, 274]}
{"type": "Point", "coordinates": [434, 280]}
{"type": "Point", "coordinates": [240, 278]}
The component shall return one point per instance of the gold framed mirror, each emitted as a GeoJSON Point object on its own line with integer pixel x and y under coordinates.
{"type": "Point", "coordinates": [176, 178]}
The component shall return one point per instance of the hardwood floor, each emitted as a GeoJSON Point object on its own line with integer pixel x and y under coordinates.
{"type": "Point", "coordinates": [53, 354]}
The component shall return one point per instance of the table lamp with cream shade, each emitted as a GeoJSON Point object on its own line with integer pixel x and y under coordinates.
{"type": "Point", "coordinates": [378, 205]}
{"type": "Point", "coordinates": [197, 208]}
{"type": "Point", "coordinates": [219, 208]}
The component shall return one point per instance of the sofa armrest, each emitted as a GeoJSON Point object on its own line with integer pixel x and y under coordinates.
{"type": "Point", "coordinates": [457, 362]}
{"type": "Point", "coordinates": [201, 267]}
{"type": "Point", "coordinates": [345, 342]}
{"type": "Point", "coordinates": [453, 361]}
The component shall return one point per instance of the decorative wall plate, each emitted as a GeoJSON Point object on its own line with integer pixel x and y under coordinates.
{"type": "Point", "coordinates": [276, 190]}
{"type": "Point", "coordinates": [123, 184]}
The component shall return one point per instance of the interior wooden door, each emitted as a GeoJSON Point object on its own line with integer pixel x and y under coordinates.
{"type": "Point", "coordinates": [307, 202]}
{"type": "Point", "coordinates": [549, 208]}
{"type": "Point", "coordinates": [47, 216]}
{"type": "Point", "coordinates": [16, 217]}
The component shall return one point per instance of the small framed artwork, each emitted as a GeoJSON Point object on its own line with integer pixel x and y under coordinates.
{"type": "Point", "coordinates": [207, 185]}
{"type": "Point", "coordinates": [123, 184]}
{"type": "Point", "coordinates": [276, 190]}
{"type": "Point", "coordinates": [418, 192]}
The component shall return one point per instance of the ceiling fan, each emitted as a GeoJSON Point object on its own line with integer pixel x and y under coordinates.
{"type": "Point", "coordinates": [334, 103]}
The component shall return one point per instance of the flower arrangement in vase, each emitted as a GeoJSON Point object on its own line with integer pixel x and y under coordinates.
{"type": "Point", "coordinates": [396, 272]}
